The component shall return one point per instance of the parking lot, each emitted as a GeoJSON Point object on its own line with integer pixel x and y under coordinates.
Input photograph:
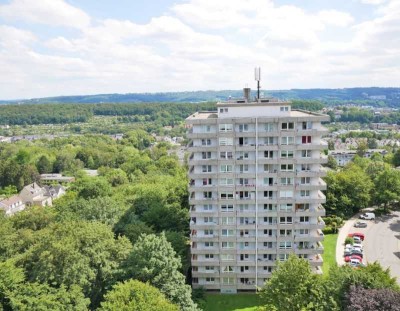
{"type": "Point", "coordinates": [382, 241]}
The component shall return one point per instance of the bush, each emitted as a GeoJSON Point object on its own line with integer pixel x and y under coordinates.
{"type": "Point", "coordinates": [328, 230]}
{"type": "Point", "coordinates": [349, 240]}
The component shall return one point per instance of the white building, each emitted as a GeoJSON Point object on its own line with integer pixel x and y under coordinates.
{"type": "Point", "coordinates": [255, 191]}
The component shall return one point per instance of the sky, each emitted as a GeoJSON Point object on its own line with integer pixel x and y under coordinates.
{"type": "Point", "coordinates": [81, 47]}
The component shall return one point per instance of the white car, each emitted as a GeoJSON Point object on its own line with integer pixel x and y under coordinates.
{"type": "Point", "coordinates": [358, 249]}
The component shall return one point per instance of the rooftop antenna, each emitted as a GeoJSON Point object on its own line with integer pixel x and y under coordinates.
{"type": "Point", "coordinates": [257, 77]}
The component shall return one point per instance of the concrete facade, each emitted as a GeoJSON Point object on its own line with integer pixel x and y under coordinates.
{"type": "Point", "coordinates": [255, 191]}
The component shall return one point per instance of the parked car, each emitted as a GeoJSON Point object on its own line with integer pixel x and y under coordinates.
{"type": "Point", "coordinates": [358, 249]}
{"type": "Point", "coordinates": [357, 239]}
{"type": "Point", "coordinates": [367, 216]}
{"type": "Point", "coordinates": [356, 252]}
{"type": "Point", "coordinates": [358, 234]}
{"type": "Point", "coordinates": [360, 224]}
{"type": "Point", "coordinates": [347, 258]}
{"type": "Point", "coordinates": [357, 244]}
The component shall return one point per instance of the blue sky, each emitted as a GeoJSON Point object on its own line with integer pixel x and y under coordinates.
{"type": "Point", "coordinates": [67, 47]}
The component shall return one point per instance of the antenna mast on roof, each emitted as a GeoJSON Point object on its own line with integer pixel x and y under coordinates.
{"type": "Point", "coordinates": [257, 76]}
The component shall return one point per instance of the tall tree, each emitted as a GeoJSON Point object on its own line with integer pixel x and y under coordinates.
{"type": "Point", "coordinates": [153, 260]}
{"type": "Point", "coordinates": [136, 296]}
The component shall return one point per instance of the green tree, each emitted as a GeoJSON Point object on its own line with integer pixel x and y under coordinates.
{"type": "Point", "coordinates": [348, 191]}
{"type": "Point", "coordinates": [387, 187]}
{"type": "Point", "coordinates": [153, 260]}
{"type": "Point", "coordinates": [136, 296]}
{"type": "Point", "coordinates": [332, 163]}
{"type": "Point", "coordinates": [293, 287]}
{"type": "Point", "coordinates": [44, 165]}
{"type": "Point", "coordinates": [76, 253]}
{"type": "Point", "coordinates": [34, 296]}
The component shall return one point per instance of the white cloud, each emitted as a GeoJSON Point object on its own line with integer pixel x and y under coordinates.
{"type": "Point", "coordinates": [200, 45]}
{"type": "Point", "coordinates": [49, 12]}
{"type": "Point", "coordinates": [374, 2]}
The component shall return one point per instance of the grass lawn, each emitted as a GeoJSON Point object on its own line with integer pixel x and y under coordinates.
{"type": "Point", "coordinates": [329, 252]}
{"type": "Point", "coordinates": [237, 302]}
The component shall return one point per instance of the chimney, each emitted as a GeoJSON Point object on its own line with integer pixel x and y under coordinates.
{"type": "Point", "coordinates": [246, 94]}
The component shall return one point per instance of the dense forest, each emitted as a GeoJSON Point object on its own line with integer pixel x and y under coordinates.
{"type": "Point", "coordinates": [70, 256]}
{"type": "Point", "coordinates": [386, 96]}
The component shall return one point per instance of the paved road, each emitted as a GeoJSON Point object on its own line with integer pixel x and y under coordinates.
{"type": "Point", "coordinates": [382, 242]}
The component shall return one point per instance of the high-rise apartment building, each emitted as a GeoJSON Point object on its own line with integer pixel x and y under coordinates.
{"type": "Point", "coordinates": [255, 191]}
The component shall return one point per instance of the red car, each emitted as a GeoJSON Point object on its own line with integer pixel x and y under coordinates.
{"type": "Point", "coordinates": [360, 235]}
{"type": "Point", "coordinates": [347, 258]}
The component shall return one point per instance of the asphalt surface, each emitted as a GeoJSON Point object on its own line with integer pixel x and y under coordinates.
{"type": "Point", "coordinates": [382, 242]}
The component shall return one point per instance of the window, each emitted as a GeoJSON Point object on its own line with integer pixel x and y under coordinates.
{"type": "Point", "coordinates": [269, 127]}
{"type": "Point", "coordinates": [209, 256]}
{"type": "Point", "coordinates": [227, 232]}
{"type": "Point", "coordinates": [228, 281]}
{"type": "Point", "coordinates": [286, 193]}
{"type": "Point", "coordinates": [304, 193]}
{"type": "Point", "coordinates": [227, 244]}
{"type": "Point", "coordinates": [206, 155]}
{"type": "Point", "coordinates": [209, 268]}
{"type": "Point", "coordinates": [286, 108]}
{"type": "Point", "coordinates": [302, 207]}
{"type": "Point", "coordinates": [226, 168]}
{"type": "Point", "coordinates": [268, 154]}
{"type": "Point", "coordinates": [206, 142]}
{"type": "Point", "coordinates": [223, 110]}
{"type": "Point", "coordinates": [243, 127]}
{"type": "Point", "coordinates": [285, 220]}
{"type": "Point", "coordinates": [268, 194]}
{"type": "Point", "coordinates": [243, 181]}
{"type": "Point", "coordinates": [244, 195]}
{"type": "Point", "coordinates": [286, 167]}
{"type": "Point", "coordinates": [226, 155]}
{"type": "Point", "coordinates": [225, 127]}
{"type": "Point", "coordinates": [269, 140]}
{"type": "Point", "coordinates": [305, 167]}
{"type": "Point", "coordinates": [243, 155]}
{"type": "Point", "coordinates": [285, 232]}
{"type": "Point", "coordinates": [227, 208]}
{"type": "Point", "coordinates": [226, 181]}
{"type": "Point", "coordinates": [207, 195]}
{"type": "Point", "coordinates": [210, 280]}
{"type": "Point", "coordinates": [225, 141]}
{"type": "Point", "coordinates": [270, 220]}
{"type": "Point", "coordinates": [286, 181]}
{"type": "Point", "coordinates": [244, 257]}
{"type": "Point", "coordinates": [226, 257]}
{"type": "Point", "coordinates": [243, 141]}
{"type": "Point", "coordinates": [287, 126]}
{"type": "Point", "coordinates": [306, 139]}
{"type": "Point", "coordinates": [206, 168]}
{"type": "Point", "coordinates": [306, 125]}
{"type": "Point", "coordinates": [268, 181]}
{"type": "Point", "coordinates": [226, 195]}
{"type": "Point", "coordinates": [207, 207]}
{"type": "Point", "coordinates": [287, 140]}
{"type": "Point", "coordinates": [305, 180]}
{"type": "Point", "coordinates": [286, 207]}
{"type": "Point", "coordinates": [243, 168]}
{"type": "Point", "coordinates": [287, 154]}
{"type": "Point", "coordinates": [227, 220]}
{"type": "Point", "coordinates": [306, 153]}
{"type": "Point", "coordinates": [208, 244]}
{"type": "Point", "coordinates": [305, 219]}
{"type": "Point", "coordinates": [206, 128]}
{"type": "Point", "coordinates": [244, 268]}
{"type": "Point", "coordinates": [207, 181]}
{"type": "Point", "coordinates": [285, 245]}
{"type": "Point", "coordinates": [243, 207]}
{"type": "Point", "coordinates": [208, 220]}
{"type": "Point", "coordinates": [208, 231]}
{"type": "Point", "coordinates": [270, 207]}
{"type": "Point", "coordinates": [304, 231]}
{"type": "Point", "coordinates": [268, 232]}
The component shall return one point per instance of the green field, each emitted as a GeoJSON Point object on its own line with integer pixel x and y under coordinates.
{"type": "Point", "coordinates": [329, 252]}
{"type": "Point", "coordinates": [238, 302]}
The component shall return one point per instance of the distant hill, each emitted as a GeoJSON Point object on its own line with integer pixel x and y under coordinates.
{"type": "Point", "coordinates": [371, 95]}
